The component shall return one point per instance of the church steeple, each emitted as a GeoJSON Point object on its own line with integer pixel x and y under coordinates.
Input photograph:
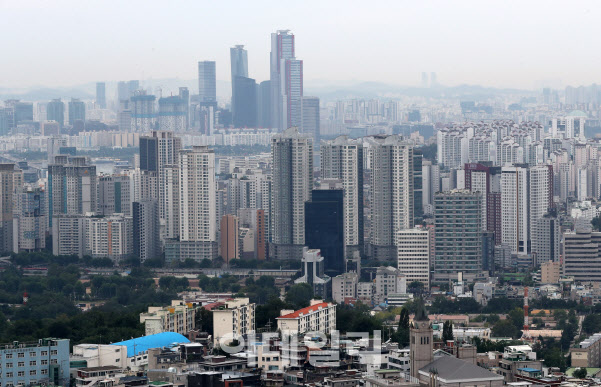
{"type": "Point", "coordinates": [421, 339]}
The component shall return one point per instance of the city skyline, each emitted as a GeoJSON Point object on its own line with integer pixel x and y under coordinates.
{"type": "Point", "coordinates": [396, 42]}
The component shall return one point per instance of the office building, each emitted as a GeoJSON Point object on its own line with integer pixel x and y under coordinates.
{"type": "Point", "coordinates": [318, 317]}
{"type": "Point", "coordinates": [292, 181]}
{"type": "Point", "coordinates": [230, 238]}
{"type": "Point", "coordinates": [342, 159]}
{"type": "Point", "coordinates": [207, 81]}
{"type": "Point", "coordinates": [546, 238]}
{"type": "Point", "coordinates": [146, 230]}
{"type": "Point", "coordinates": [582, 257]}
{"type": "Point", "coordinates": [310, 117]}
{"type": "Point", "coordinates": [143, 113]}
{"type": "Point", "coordinates": [392, 194]}
{"type": "Point", "coordinates": [108, 237]}
{"type": "Point", "coordinates": [313, 264]}
{"type": "Point", "coordinates": [174, 318]}
{"type": "Point", "coordinates": [324, 228]}
{"type": "Point", "coordinates": [7, 190]}
{"type": "Point", "coordinates": [413, 253]}
{"type": "Point", "coordinates": [291, 87]}
{"type": "Point", "coordinates": [45, 362]}
{"type": "Point", "coordinates": [244, 100]}
{"type": "Point", "coordinates": [100, 95]}
{"type": "Point", "coordinates": [77, 111]}
{"type": "Point", "coordinates": [234, 319]}
{"type": "Point", "coordinates": [55, 111]}
{"type": "Point", "coordinates": [282, 50]}
{"type": "Point", "coordinates": [458, 238]}
{"type": "Point", "coordinates": [72, 187]}
{"type": "Point", "coordinates": [32, 222]}
{"type": "Point", "coordinates": [173, 112]}
{"type": "Point", "coordinates": [389, 281]}
{"type": "Point", "coordinates": [239, 71]}
{"type": "Point", "coordinates": [264, 105]}
{"type": "Point", "coordinates": [115, 195]}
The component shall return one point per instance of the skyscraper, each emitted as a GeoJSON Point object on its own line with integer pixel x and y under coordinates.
{"type": "Point", "coordinates": [146, 244]}
{"type": "Point", "coordinates": [230, 234]}
{"type": "Point", "coordinates": [31, 219]}
{"type": "Point", "coordinates": [310, 117]}
{"type": "Point", "coordinates": [392, 193]}
{"type": "Point", "coordinates": [101, 95]}
{"type": "Point", "coordinates": [282, 49]}
{"type": "Point", "coordinates": [292, 181]}
{"type": "Point", "coordinates": [239, 68]}
{"type": "Point", "coordinates": [77, 111]}
{"type": "Point", "coordinates": [264, 105]}
{"type": "Point", "coordinates": [546, 238]}
{"type": "Point", "coordinates": [55, 111]}
{"type": "Point", "coordinates": [143, 115]}
{"type": "Point", "coordinates": [6, 207]}
{"type": "Point", "coordinates": [514, 208]}
{"type": "Point", "coordinates": [71, 186]}
{"type": "Point", "coordinates": [291, 84]}
{"type": "Point", "coordinates": [207, 92]}
{"type": "Point", "coordinates": [244, 102]}
{"type": "Point", "coordinates": [414, 255]}
{"type": "Point", "coordinates": [173, 112]}
{"type": "Point", "coordinates": [197, 194]}
{"type": "Point", "coordinates": [342, 159]}
{"type": "Point", "coordinates": [458, 236]}
{"type": "Point", "coordinates": [324, 227]}
{"type": "Point", "coordinates": [207, 81]}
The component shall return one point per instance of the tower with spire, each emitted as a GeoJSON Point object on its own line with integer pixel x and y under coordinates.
{"type": "Point", "coordinates": [420, 339]}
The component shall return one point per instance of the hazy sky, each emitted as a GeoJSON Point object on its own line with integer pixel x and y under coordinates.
{"type": "Point", "coordinates": [495, 43]}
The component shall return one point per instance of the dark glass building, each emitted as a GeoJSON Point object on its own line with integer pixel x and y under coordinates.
{"type": "Point", "coordinates": [244, 99]}
{"type": "Point", "coordinates": [324, 228]}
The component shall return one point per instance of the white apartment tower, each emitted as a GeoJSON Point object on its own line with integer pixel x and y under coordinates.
{"type": "Point", "coordinates": [197, 220]}
{"type": "Point", "coordinates": [292, 164]}
{"type": "Point", "coordinates": [413, 253]}
{"type": "Point", "coordinates": [540, 180]}
{"type": "Point", "coordinates": [342, 159]}
{"type": "Point", "coordinates": [392, 193]}
{"type": "Point", "coordinates": [514, 208]}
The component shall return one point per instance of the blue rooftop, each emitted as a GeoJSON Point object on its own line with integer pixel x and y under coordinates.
{"type": "Point", "coordinates": [144, 343]}
{"type": "Point", "coordinates": [528, 369]}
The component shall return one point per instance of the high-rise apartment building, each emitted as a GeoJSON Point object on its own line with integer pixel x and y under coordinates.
{"type": "Point", "coordinates": [32, 222]}
{"type": "Point", "coordinates": [540, 196]}
{"type": "Point", "coordinates": [143, 114]}
{"type": "Point", "coordinates": [72, 187]}
{"type": "Point", "coordinates": [391, 161]}
{"type": "Point", "coordinates": [108, 237]}
{"type": "Point", "coordinates": [514, 208]}
{"type": "Point", "coordinates": [173, 112]}
{"type": "Point", "coordinates": [458, 237]}
{"type": "Point", "coordinates": [292, 181]}
{"type": "Point", "coordinates": [342, 159]}
{"type": "Point", "coordinates": [413, 253]}
{"type": "Point", "coordinates": [229, 231]}
{"type": "Point", "coordinates": [77, 111]}
{"type": "Point", "coordinates": [282, 49]}
{"type": "Point", "coordinates": [55, 111]}
{"type": "Point", "coordinates": [7, 190]}
{"type": "Point", "coordinates": [546, 238]}
{"type": "Point", "coordinates": [310, 117]}
{"type": "Point", "coordinates": [115, 195]}
{"type": "Point", "coordinates": [324, 228]}
{"type": "Point", "coordinates": [100, 95]}
{"type": "Point", "coordinates": [486, 179]}
{"type": "Point", "coordinates": [146, 241]}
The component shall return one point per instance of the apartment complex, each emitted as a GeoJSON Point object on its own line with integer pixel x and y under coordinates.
{"type": "Point", "coordinates": [175, 318]}
{"type": "Point", "coordinates": [319, 317]}
{"type": "Point", "coordinates": [235, 318]}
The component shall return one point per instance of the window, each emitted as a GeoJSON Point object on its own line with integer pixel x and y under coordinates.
{"type": "Point", "coordinates": [21, 364]}
{"type": "Point", "coordinates": [9, 365]}
{"type": "Point", "coordinates": [21, 373]}
{"type": "Point", "coordinates": [9, 374]}
{"type": "Point", "coordinates": [44, 372]}
{"type": "Point", "coordinates": [32, 372]}
{"type": "Point", "coordinates": [32, 354]}
{"type": "Point", "coordinates": [21, 355]}
{"type": "Point", "coordinates": [9, 355]}
{"type": "Point", "coordinates": [32, 363]}
{"type": "Point", "coordinates": [53, 361]}
{"type": "Point", "coordinates": [54, 352]}
{"type": "Point", "coordinates": [44, 362]}
{"type": "Point", "coordinates": [44, 353]}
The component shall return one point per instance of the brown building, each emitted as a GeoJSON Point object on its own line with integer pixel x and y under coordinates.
{"type": "Point", "coordinates": [230, 238]}
{"type": "Point", "coordinates": [550, 272]}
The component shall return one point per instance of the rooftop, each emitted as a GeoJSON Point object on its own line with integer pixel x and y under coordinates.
{"type": "Point", "coordinates": [305, 311]}
{"type": "Point", "coordinates": [144, 343]}
{"type": "Point", "coordinates": [450, 369]}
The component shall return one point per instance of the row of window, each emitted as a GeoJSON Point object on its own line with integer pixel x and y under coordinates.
{"type": "Point", "coordinates": [22, 373]}
{"type": "Point", "coordinates": [21, 355]}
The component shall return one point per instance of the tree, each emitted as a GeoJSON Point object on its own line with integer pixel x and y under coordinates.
{"type": "Point", "coordinates": [203, 320]}
{"type": "Point", "coordinates": [581, 372]}
{"type": "Point", "coordinates": [447, 331]}
{"type": "Point", "coordinates": [505, 328]}
{"type": "Point", "coordinates": [592, 323]}
{"type": "Point", "coordinates": [401, 336]}
{"type": "Point", "coordinates": [517, 318]}
{"type": "Point", "coordinates": [299, 295]}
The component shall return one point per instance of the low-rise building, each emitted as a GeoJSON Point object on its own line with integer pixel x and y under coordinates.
{"type": "Point", "coordinates": [365, 292]}
{"type": "Point", "coordinates": [233, 319]}
{"type": "Point", "coordinates": [389, 280]}
{"type": "Point", "coordinates": [319, 317]}
{"type": "Point", "coordinates": [137, 348]}
{"type": "Point", "coordinates": [449, 371]}
{"type": "Point", "coordinates": [178, 318]}
{"type": "Point", "coordinates": [344, 286]}
{"type": "Point", "coordinates": [100, 355]}
{"type": "Point", "coordinates": [587, 353]}
{"type": "Point", "coordinates": [550, 272]}
{"type": "Point", "coordinates": [35, 363]}
{"type": "Point", "coordinates": [518, 357]}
